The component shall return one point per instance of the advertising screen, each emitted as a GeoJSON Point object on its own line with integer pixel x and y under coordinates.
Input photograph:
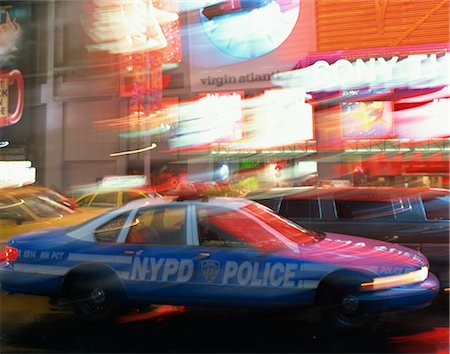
{"type": "Point", "coordinates": [367, 120]}
{"type": "Point", "coordinates": [240, 44]}
{"type": "Point", "coordinates": [425, 121]}
{"type": "Point", "coordinates": [212, 118]}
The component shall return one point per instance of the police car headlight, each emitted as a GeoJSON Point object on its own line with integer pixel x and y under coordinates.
{"type": "Point", "coordinates": [414, 277]}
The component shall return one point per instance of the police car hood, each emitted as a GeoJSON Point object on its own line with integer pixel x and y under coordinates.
{"type": "Point", "coordinates": [380, 257]}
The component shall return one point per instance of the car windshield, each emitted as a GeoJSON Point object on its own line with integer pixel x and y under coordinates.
{"type": "Point", "coordinates": [55, 196]}
{"type": "Point", "coordinates": [251, 226]}
{"type": "Point", "coordinates": [287, 228]}
{"type": "Point", "coordinates": [43, 206]}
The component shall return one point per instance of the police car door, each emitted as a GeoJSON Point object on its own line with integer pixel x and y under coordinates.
{"type": "Point", "coordinates": [161, 266]}
{"type": "Point", "coordinates": [231, 270]}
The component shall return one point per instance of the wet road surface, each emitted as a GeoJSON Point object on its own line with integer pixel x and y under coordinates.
{"type": "Point", "coordinates": [30, 324]}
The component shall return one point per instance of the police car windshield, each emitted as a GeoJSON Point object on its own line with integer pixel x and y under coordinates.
{"type": "Point", "coordinates": [287, 228]}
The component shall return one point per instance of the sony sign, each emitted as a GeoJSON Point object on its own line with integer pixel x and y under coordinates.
{"type": "Point", "coordinates": [415, 71]}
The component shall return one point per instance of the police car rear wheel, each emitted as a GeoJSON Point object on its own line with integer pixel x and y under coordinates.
{"type": "Point", "coordinates": [96, 298]}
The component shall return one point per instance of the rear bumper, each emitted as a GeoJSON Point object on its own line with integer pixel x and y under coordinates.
{"type": "Point", "coordinates": [29, 283]}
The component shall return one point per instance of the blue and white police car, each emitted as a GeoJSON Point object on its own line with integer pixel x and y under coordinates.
{"type": "Point", "coordinates": [221, 252]}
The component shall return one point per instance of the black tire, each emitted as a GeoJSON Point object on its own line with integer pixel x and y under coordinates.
{"type": "Point", "coordinates": [96, 298]}
{"type": "Point", "coordinates": [339, 303]}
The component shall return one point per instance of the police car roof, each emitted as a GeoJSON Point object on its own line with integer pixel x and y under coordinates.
{"type": "Point", "coordinates": [215, 201]}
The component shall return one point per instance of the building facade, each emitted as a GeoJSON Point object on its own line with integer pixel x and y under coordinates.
{"type": "Point", "coordinates": [86, 103]}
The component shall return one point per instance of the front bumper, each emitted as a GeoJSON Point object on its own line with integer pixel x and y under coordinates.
{"type": "Point", "coordinates": [403, 298]}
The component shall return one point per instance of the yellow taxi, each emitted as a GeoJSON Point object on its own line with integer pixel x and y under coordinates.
{"type": "Point", "coordinates": [24, 209]}
{"type": "Point", "coordinates": [106, 198]}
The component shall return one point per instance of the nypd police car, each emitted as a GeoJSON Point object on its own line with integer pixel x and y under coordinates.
{"type": "Point", "coordinates": [221, 252]}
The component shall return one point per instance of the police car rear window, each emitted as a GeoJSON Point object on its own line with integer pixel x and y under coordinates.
{"type": "Point", "coordinates": [109, 232]}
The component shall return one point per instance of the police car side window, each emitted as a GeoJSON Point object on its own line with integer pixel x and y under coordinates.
{"type": "Point", "coordinates": [159, 226]}
{"type": "Point", "coordinates": [109, 232]}
{"type": "Point", "coordinates": [211, 235]}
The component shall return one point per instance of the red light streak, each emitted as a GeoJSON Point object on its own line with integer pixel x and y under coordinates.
{"type": "Point", "coordinates": [160, 313]}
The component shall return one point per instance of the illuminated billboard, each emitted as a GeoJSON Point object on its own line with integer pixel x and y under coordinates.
{"type": "Point", "coordinates": [241, 48]}
{"type": "Point", "coordinates": [213, 118]}
{"type": "Point", "coordinates": [424, 121]}
{"type": "Point", "coordinates": [367, 120]}
{"type": "Point", "coordinates": [281, 118]}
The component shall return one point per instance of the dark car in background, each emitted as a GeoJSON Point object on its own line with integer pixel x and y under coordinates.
{"type": "Point", "coordinates": [414, 217]}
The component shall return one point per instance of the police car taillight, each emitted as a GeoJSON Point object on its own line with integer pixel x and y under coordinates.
{"type": "Point", "coordinates": [9, 254]}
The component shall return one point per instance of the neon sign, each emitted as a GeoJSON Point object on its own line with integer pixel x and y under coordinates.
{"type": "Point", "coordinates": [419, 70]}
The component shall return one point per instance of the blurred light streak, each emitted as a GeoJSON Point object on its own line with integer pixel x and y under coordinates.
{"type": "Point", "coordinates": [16, 173]}
{"type": "Point", "coordinates": [160, 313]}
{"type": "Point", "coordinates": [120, 26]}
{"type": "Point", "coordinates": [192, 5]}
{"type": "Point", "coordinates": [277, 118]}
{"type": "Point", "coordinates": [415, 71]}
{"type": "Point", "coordinates": [212, 118]}
{"type": "Point", "coordinates": [151, 147]}
{"type": "Point", "coordinates": [435, 341]}
{"type": "Point", "coordinates": [439, 94]}
{"type": "Point", "coordinates": [386, 282]}
{"type": "Point", "coordinates": [148, 132]}
{"type": "Point", "coordinates": [429, 120]}
{"type": "Point", "coordinates": [166, 117]}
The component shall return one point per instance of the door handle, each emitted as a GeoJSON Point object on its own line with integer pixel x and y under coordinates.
{"type": "Point", "coordinates": [132, 252]}
{"type": "Point", "coordinates": [390, 238]}
{"type": "Point", "coordinates": [204, 255]}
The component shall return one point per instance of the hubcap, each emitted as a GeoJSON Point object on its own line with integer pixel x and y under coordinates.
{"type": "Point", "coordinates": [350, 303]}
{"type": "Point", "coordinates": [98, 295]}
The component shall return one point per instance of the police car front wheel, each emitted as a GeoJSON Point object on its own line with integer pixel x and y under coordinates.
{"type": "Point", "coordinates": [339, 303]}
